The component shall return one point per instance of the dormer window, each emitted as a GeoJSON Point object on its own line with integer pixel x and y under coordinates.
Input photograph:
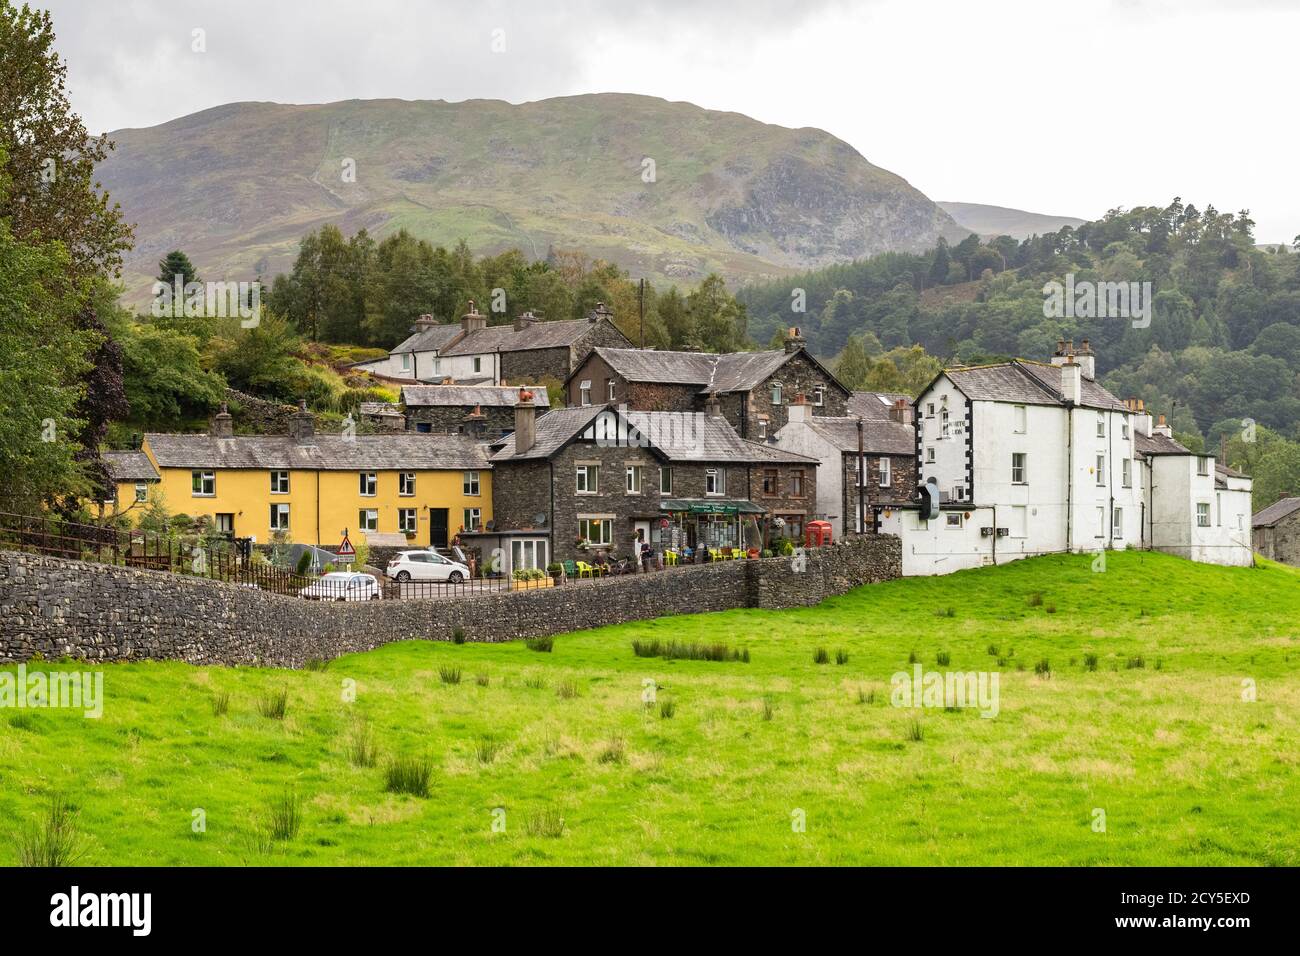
{"type": "Point", "coordinates": [584, 392]}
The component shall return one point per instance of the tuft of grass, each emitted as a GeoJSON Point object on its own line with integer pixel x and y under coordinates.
{"type": "Point", "coordinates": [820, 656]}
{"type": "Point", "coordinates": [315, 664]}
{"type": "Point", "coordinates": [362, 749]}
{"type": "Point", "coordinates": [943, 658]}
{"type": "Point", "coordinates": [915, 732]}
{"type": "Point", "coordinates": [1090, 662]}
{"type": "Point", "coordinates": [544, 823]}
{"type": "Point", "coordinates": [993, 651]}
{"type": "Point", "coordinates": [841, 657]}
{"type": "Point", "coordinates": [52, 842]}
{"type": "Point", "coordinates": [482, 680]}
{"type": "Point", "coordinates": [566, 689]}
{"type": "Point", "coordinates": [408, 775]}
{"type": "Point", "coordinates": [22, 721]}
{"type": "Point", "coordinates": [458, 635]}
{"type": "Point", "coordinates": [487, 748]}
{"type": "Point", "coordinates": [769, 708]}
{"type": "Point", "coordinates": [866, 695]}
{"type": "Point", "coordinates": [945, 612]}
{"type": "Point", "coordinates": [913, 657]}
{"type": "Point", "coordinates": [1035, 599]}
{"type": "Point", "coordinates": [667, 708]}
{"type": "Point", "coordinates": [535, 681]}
{"type": "Point", "coordinates": [449, 675]}
{"type": "Point", "coordinates": [1050, 609]}
{"type": "Point", "coordinates": [1043, 668]}
{"type": "Point", "coordinates": [284, 816]}
{"type": "Point", "coordinates": [1135, 663]}
{"type": "Point", "coordinates": [274, 705]}
{"type": "Point", "coordinates": [677, 650]}
{"type": "Point", "coordinates": [544, 644]}
{"type": "Point", "coordinates": [221, 703]}
{"type": "Point", "coordinates": [614, 751]}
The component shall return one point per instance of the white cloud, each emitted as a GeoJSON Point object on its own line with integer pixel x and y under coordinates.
{"type": "Point", "coordinates": [1058, 108]}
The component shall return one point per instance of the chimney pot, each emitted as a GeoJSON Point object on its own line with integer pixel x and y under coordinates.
{"type": "Point", "coordinates": [302, 424]}
{"type": "Point", "coordinates": [525, 422]}
{"type": "Point", "coordinates": [222, 425]}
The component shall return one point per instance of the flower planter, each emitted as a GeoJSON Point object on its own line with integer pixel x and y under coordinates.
{"type": "Point", "coordinates": [531, 585]}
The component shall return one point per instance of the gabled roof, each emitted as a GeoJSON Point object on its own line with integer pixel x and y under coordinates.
{"type": "Point", "coordinates": [874, 406]}
{"type": "Point", "coordinates": [541, 334]}
{"type": "Point", "coordinates": [1275, 513]}
{"type": "Point", "coordinates": [879, 437]}
{"type": "Point", "coordinates": [430, 338]}
{"type": "Point", "coordinates": [707, 371]}
{"type": "Point", "coordinates": [1022, 382]}
{"type": "Point", "coordinates": [493, 396]}
{"type": "Point", "coordinates": [404, 451]}
{"type": "Point", "coordinates": [129, 466]}
{"type": "Point", "coordinates": [676, 436]}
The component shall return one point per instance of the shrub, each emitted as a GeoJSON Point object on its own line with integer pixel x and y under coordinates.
{"type": "Point", "coordinates": [458, 635]}
{"type": "Point", "coordinates": [544, 823]}
{"type": "Point", "coordinates": [528, 574]}
{"type": "Point", "coordinates": [304, 563]}
{"type": "Point", "coordinates": [678, 650]}
{"type": "Point", "coordinates": [362, 750]}
{"type": "Point", "coordinates": [408, 775]}
{"type": "Point", "coordinates": [614, 751]}
{"type": "Point", "coordinates": [54, 842]}
{"type": "Point", "coordinates": [285, 817]}
{"type": "Point", "coordinates": [543, 645]}
{"type": "Point", "coordinates": [449, 675]}
{"type": "Point", "coordinates": [273, 705]}
{"type": "Point", "coordinates": [220, 703]}
{"type": "Point", "coordinates": [820, 656]}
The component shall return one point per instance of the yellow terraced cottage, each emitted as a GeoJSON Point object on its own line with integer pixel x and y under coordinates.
{"type": "Point", "coordinates": [312, 487]}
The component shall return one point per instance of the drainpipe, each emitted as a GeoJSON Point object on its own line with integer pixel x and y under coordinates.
{"type": "Point", "coordinates": [1110, 477]}
{"type": "Point", "coordinates": [995, 534]}
{"type": "Point", "coordinates": [1069, 479]}
{"type": "Point", "coordinates": [318, 537]}
{"type": "Point", "coordinates": [862, 483]}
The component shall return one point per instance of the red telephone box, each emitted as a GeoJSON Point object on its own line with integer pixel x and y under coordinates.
{"type": "Point", "coordinates": [817, 533]}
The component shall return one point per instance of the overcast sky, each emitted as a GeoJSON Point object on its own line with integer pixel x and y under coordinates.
{"type": "Point", "coordinates": [1059, 107]}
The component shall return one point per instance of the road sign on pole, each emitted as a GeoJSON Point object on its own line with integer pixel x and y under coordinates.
{"type": "Point", "coordinates": [346, 554]}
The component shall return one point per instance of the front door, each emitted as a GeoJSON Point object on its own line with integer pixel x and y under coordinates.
{"type": "Point", "coordinates": [438, 527]}
{"type": "Point", "coordinates": [643, 529]}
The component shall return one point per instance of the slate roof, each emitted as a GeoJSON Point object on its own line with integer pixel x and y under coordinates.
{"type": "Point", "coordinates": [1158, 445]}
{"type": "Point", "coordinates": [1025, 383]}
{"type": "Point", "coordinates": [493, 396]}
{"type": "Point", "coordinates": [541, 334]}
{"type": "Point", "coordinates": [878, 437]}
{"type": "Point", "coordinates": [704, 439]}
{"type": "Point", "coordinates": [710, 372]}
{"type": "Point", "coordinates": [874, 406]}
{"type": "Point", "coordinates": [407, 451]}
{"type": "Point", "coordinates": [1275, 513]}
{"type": "Point", "coordinates": [379, 408]}
{"type": "Point", "coordinates": [428, 339]}
{"type": "Point", "coordinates": [129, 466]}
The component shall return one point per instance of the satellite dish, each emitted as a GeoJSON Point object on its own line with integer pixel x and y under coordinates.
{"type": "Point", "coordinates": [539, 520]}
{"type": "Point", "coordinates": [492, 524]}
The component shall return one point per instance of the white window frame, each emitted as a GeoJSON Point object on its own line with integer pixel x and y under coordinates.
{"type": "Point", "coordinates": [1101, 424]}
{"type": "Point", "coordinates": [1022, 466]}
{"type": "Point", "coordinates": [406, 484]}
{"type": "Point", "coordinates": [633, 482]}
{"type": "Point", "coordinates": [527, 553]}
{"type": "Point", "coordinates": [718, 478]}
{"type": "Point", "coordinates": [762, 427]}
{"type": "Point", "coordinates": [141, 492]}
{"type": "Point", "coordinates": [1101, 471]}
{"type": "Point", "coordinates": [368, 483]}
{"type": "Point", "coordinates": [929, 455]}
{"type": "Point", "coordinates": [1019, 419]}
{"type": "Point", "coordinates": [471, 484]}
{"type": "Point", "coordinates": [886, 473]}
{"type": "Point", "coordinates": [1202, 514]}
{"type": "Point", "coordinates": [406, 361]}
{"type": "Point", "coordinates": [472, 519]}
{"type": "Point", "coordinates": [279, 487]}
{"type": "Point", "coordinates": [1117, 522]}
{"type": "Point", "coordinates": [584, 392]}
{"type": "Point", "coordinates": [586, 480]}
{"type": "Point", "coordinates": [609, 390]}
{"type": "Point", "coordinates": [604, 538]}
{"type": "Point", "coordinates": [364, 519]}
{"type": "Point", "coordinates": [665, 486]}
{"type": "Point", "coordinates": [207, 482]}
{"type": "Point", "coordinates": [953, 520]}
{"type": "Point", "coordinates": [776, 393]}
{"type": "Point", "coordinates": [478, 364]}
{"type": "Point", "coordinates": [1127, 472]}
{"type": "Point", "coordinates": [945, 427]}
{"type": "Point", "coordinates": [407, 520]}
{"type": "Point", "coordinates": [819, 395]}
{"type": "Point", "coordinates": [1202, 465]}
{"type": "Point", "coordinates": [279, 516]}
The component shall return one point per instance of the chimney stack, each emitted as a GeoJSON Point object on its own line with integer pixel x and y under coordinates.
{"type": "Point", "coordinates": [525, 422]}
{"type": "Point", "coordinates": [222, 425]}
{"type": "Point", "coordinates": [471, 321]}
{"type": "Point", "coordinates": [794, 339]}
{"type": "Point", "coordinates": [1162, 429]}
{"type": "Point", "coordinates": [424, 321]}
{"type": "Point", "coordinates": [1071, 381]}
{"type": "Point", "coordinates": [1087, 361]}
{"type": "Point", "coordinates": [524, 320]}
{"type": "Point", "coordinates": [302, 425]}
{"type": "Point", "coordinates": [600, 312]}
{"type": "Point", "coordinates": [713, 405]}
{"type": "Point", "coordinates": [901, 411]}
{"type": "Point", "coordinates": [475, 422]}
{"type": "Point", "coordinates": [799, 410]}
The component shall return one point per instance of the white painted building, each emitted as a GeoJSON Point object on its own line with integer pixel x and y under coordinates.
{"type": "Point", "coordinates": [1035, 459]}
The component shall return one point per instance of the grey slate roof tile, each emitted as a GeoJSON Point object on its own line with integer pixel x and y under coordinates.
{"type": "Point", "coordinates": [457, 395]}
{"type": "Point", "coordinates": [406, 451]}
{"type": "Point", "coordinates": [1275, 513]}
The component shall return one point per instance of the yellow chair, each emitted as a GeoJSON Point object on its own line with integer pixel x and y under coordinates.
{"type": "Point", "coordinates": [585, 570]}
{"type": "Point", "coordinates": [670, 558]}
{"type": "Point", "coordinates": [715, 554]}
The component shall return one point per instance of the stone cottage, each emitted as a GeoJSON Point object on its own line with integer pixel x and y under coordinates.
{"type": "Point", "coordinates": [1275, 531]}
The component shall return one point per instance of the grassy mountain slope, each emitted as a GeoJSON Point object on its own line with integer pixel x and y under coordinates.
{"type": "Point", "coordinates": [1000, 221]}
{"type": "Point", "coordinates": [237, 186]}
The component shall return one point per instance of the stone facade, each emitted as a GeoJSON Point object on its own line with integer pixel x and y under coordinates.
{"type": "Point", "coordinates": [495, 420]}
{"type": "Point", "coordinates": [1281, 541]}
{"type": "Point", "coordinates": [100, 613]}
{"type": "Point", "coordinates": [536, 365]}
{"type": "Point", "coordinates": [901, 490]}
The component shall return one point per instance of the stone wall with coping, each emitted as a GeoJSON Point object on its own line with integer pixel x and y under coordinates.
{"type": "Point", "coordinates": [55, 608]}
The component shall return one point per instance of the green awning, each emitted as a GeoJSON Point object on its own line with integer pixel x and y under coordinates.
{"type": "Point", "coordinates": [719, 506]}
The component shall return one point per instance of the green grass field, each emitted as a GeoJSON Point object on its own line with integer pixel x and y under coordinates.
{"type": "Point", "coordinates": [1157, 736]}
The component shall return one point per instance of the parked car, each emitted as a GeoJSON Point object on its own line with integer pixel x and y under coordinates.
{"type": "Point", "coordinates": [425, 566]}
{"type": "Point", "coordinates": [343, 586]}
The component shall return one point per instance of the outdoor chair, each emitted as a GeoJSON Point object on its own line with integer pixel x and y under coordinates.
{"type": "Point", "coordinates": [585, 570]}
{"type": "Point", "coordinates": [570, 570]}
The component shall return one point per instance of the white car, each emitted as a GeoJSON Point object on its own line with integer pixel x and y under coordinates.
{"type": "Point", "coordinates": [425, 566]}
{"type": "Point", "coordinates": [343, 586]}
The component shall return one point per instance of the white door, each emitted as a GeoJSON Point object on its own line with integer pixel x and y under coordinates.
{"type": "Point", "coordinates": [644, 528]}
